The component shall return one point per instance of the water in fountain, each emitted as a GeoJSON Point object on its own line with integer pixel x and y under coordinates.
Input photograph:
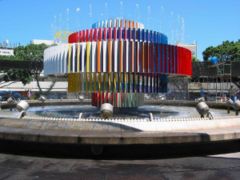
{"type": "Point", "coordinates": [140, 112]}
{"type": "Point", "coordinates": [90, 10]}
{"type": "Point", "coordinates": [137, 12]}
{"type": "Point", "coordinates": [67, 19]}
{"type": "Point", "coordinates": [106, 10]}
{"type": "Point", "coordinates": [53, 26]}
{"type": "Point", "coordinates": [182, 29]}
{"type": "Point", "coordinates": [149, 11]}
{"type": "Point", "coordinates": [78, 16]}
{"type": "Point", "coordinates": [161, 19]}
{"type": "Point", "coordinates": [121, 9]}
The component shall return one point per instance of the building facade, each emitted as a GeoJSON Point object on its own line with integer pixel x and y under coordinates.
{"type": "Point", "coordinates": [6, 52]}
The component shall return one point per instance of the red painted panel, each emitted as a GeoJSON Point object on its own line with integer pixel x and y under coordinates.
{"type": "Point", "coordinates": [156, 58]}
{"type": "Point", "coordinates": [100, 34]}
{"type": "Point", "coordinates": [105, 34]}
{"type": "Point", "coordinates": [87, 34]}
{"type": "Point", "coordinates": [114, 33]}
{"type": "Point", "coordinates": [95, 35]}
{"type": "Point", "coordinates": [169, 59]}
{"type": "Point", "coordinates": [84, 35]}
{"type": "Point", "coordinates": [161, 58]}
{"type": "Point", "coordinates": [165, 58]}
{"type": "Point", "coordinates": [91, 35]}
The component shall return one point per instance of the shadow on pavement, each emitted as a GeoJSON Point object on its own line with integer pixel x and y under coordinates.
{"type": "Point", "coordinates": [118, 152]}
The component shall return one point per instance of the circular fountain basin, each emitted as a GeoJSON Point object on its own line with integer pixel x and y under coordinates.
{"type": "Point", "coordinates": [92, 112]}
{"type": "Point", "coordinates": [170, 124]}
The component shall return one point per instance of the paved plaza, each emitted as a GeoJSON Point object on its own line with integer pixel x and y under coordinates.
{"type": "Point", "coordinates": [224, 166]}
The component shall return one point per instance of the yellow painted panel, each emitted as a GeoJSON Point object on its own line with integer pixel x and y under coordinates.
{"type": "Point", "coordinates": [74, 82]}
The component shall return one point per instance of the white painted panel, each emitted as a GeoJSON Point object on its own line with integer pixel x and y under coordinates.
{"type": "Point", "coordinates": [127, 58]}
{"type": "Point", "coordinates": [65, 59]}
{"type": "Point", "coordinates": [73, 57]}
{"type": "Point", "coordinates": [104, 54]}
{"type": "Point", "coordinates": [93, 58]}
{"type": "Point", "coordinates": [83, 59]}
{"type": "Point", "coordinates": [116, 56]}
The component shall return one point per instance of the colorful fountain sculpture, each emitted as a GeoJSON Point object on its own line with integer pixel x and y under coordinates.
{"type": "Point", "coordinates": [117, 61]}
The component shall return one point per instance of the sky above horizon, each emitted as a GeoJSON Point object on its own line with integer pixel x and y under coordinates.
{"type": "Point", "coordinates": [204, 22]}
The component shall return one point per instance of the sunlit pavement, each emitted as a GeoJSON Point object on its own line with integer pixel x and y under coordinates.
{"type": "Point", "coordinates": [222, 166]}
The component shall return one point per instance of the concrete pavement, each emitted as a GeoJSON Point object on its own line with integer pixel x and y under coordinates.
{"type": "Point", "coordinates": [221, 167]}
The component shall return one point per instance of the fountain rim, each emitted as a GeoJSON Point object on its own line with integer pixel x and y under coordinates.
{"type": "Point", "coordinates": [187, 130]}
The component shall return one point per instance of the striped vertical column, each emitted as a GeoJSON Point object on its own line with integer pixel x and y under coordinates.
{"type": "Point", "coordinates": [120, 60]}
{"type": "Point", "coordinates": [126, 66]}
{"type": "Point", "coordinates": [78, 56]}
{"type": "Point", "coordinates": [88, 56]}
{"type": "Point", "coordinates": [104, 56]}
{"type": "Point", "coordinates": [93, 56]}
{"type": "Point", "coordinates": [69, 58]}
{"type": "Point", "coordinates": [83, 52]}
{"type": "Point", "coordinates": [104, 63]}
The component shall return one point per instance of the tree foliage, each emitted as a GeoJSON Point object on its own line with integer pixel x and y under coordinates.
{"type": "Point", "coordinates": [10, 58]}
{"type": "Point", "coordinates": [195, 59]}
{"type": "Point", "coordinates": [228, 50]}
{"type": "Point", "coordinates": [22, 75]}
{"type": "Point", "coordinates": [30, 52]}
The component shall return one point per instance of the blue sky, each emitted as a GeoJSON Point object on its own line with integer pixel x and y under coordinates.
{"type": "Point", "coordinates": [207, 22]}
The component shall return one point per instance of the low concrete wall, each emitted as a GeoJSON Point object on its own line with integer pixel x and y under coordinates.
{"type": "Point", "coordinates": [47, 134]}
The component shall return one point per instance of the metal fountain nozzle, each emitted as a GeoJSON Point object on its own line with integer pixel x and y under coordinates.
{"type": "Point", "coordinates": [106, 110]}
{"type": "Point", "coordinates": [22, 105]}
{"type": "Point", "coordinates": [237, 104]}
{"type": "Point", "coordinates": [42, 98]}
{"type": "Point", "coordinates": [234, 105]}
{"type": "Point", "coordinates": [10, 100]}
{"type": "Point", "coordinates": [203, 108]}
{"type": "Point", "coordinates": [81, 97]}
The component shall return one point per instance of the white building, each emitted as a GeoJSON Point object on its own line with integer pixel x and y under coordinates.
{"type": "Point", "coordinates": [42, 41]}
{"type": "Point", "coordinates": [59, 86]}
{"type": "Point", "coordinates": [6, 52]}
